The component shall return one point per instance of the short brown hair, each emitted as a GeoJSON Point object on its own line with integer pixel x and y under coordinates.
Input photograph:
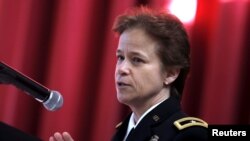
{"type": "Point", "coordinates": [168, 30]}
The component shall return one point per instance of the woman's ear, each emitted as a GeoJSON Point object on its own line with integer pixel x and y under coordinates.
{"type": "Point", "coordinates": [171, 75]}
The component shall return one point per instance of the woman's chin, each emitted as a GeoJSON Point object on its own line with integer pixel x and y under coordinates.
{"type": "Point", "coordinates": [123, 99]}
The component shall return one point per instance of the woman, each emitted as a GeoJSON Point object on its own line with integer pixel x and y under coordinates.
{"type": "Point", "coordinates": [153, 59]}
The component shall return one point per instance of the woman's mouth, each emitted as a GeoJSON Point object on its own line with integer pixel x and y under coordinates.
{"type": "Point", "coordinates": [122, 84]}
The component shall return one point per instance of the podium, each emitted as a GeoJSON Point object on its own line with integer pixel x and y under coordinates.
{"type": "Point", "coordinates": [9, 133]}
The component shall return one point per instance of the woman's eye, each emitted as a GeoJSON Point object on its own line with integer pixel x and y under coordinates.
{"type": "Point", "coordinates": [137, 60]}
{"type": "Point", "coordinates": [120, 57]}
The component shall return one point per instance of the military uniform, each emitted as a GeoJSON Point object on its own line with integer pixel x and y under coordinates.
{"type": "Point", "coordinates": [166, 122]}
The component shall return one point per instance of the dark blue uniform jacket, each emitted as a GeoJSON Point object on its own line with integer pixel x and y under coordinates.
{"type": "Point", "coordinates": [158, 125]}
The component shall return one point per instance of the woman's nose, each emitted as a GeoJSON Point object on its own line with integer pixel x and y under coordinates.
{"type": "Point", "coordinates": [123, 68]}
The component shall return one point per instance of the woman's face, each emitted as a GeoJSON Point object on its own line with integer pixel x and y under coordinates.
{"type": "Point", "coordinates": [139, 76]}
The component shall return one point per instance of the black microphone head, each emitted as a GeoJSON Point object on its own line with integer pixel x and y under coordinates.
{"type": "Point", "coordinates": [54, 102]}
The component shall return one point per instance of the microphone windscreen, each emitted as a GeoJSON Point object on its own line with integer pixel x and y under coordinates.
{"type": "Point", "coordinates": [54, 102]}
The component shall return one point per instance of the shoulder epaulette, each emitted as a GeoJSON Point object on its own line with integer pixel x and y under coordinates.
{"type": "Point", "coordinates": [118, 125]}
{"type": "Point", "coordinates": [189, 121]}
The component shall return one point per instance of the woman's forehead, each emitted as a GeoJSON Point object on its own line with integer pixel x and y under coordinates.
{"type": "Point", "coordinates": [136, 40]}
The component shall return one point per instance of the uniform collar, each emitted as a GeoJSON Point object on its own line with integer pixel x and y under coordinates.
{"type": "Point", "coordinates": [163, 111]}
{"type": "Point", "coordinates": [132, 124]}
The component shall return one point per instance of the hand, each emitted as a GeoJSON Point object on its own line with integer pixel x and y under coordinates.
{"type": "Point", "coordinates": [65, 136]}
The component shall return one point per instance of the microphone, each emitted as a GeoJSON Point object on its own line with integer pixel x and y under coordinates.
{"type": "Point", "coordinates": [52, 100]}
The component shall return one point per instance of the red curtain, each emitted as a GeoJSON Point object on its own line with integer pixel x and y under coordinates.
{"type": "Point", "coordinates": [218, 87]}
{"type": "Point", "coordinates": [68, 46]}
